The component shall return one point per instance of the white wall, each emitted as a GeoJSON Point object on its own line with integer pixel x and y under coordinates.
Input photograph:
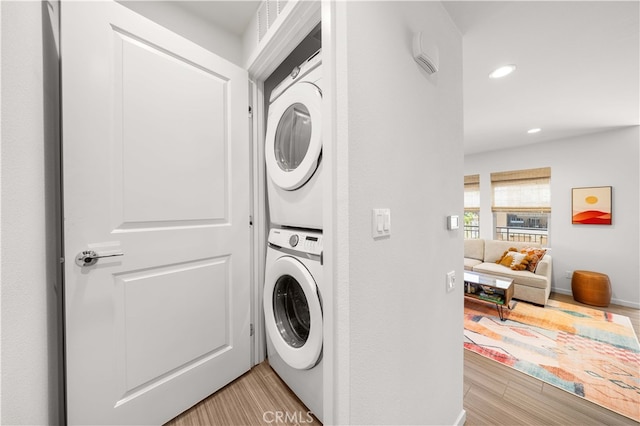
{"type": "Point", "coordinates": [30, 256]}
{"type": "Point", "coordinates": [609, 158]}
{"type": "Point", "coordinates": [192, 27]}
{"type": "Point", "coordinates": [400, 134]}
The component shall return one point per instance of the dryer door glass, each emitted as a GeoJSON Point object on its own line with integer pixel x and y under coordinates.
{"type": "Point", "coordinates": [291, 311]}
{"type": "Point", "coordinates": [292, 137]}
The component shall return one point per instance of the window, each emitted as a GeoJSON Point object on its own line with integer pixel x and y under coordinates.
{"type": "Point", "coordinates": [472, 206]}
{"type": "Point", "coordinates": [522, 205]}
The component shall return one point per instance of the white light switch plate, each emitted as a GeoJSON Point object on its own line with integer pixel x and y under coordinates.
{"type": "Point", "coordinates": [451, 281]}
{"type": "Point", "coordinates": [380, 223]}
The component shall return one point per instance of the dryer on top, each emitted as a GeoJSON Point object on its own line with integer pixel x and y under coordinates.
{"type": "Point", "coordinates": [293, 148]}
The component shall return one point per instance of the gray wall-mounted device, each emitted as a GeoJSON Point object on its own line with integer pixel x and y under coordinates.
{"type": "Point", "coordinates": [453, 222]}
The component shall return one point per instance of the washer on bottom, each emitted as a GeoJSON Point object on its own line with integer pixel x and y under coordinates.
{"type": "Point", "coordinates": [293, 312]}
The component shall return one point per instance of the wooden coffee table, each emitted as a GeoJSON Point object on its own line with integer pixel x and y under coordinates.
{"type": "Point", "coordinates": [490, 288]}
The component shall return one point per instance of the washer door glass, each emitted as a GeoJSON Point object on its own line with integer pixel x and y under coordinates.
{"type": "Point", "coordinates": [293, 142]}
{"type": "Point", "coordinates": [291, 311]}
{"type": "Point", "coordinates": [292, 137]}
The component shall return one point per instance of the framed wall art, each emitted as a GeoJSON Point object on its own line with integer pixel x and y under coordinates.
{"type": "Point", "coordinates": [591, 205]}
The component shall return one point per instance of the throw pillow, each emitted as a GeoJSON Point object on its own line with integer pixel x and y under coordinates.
{"type": "Point", "coordinates": [505, 254]}
{"type": "Point", "coordinates": [507, 259]}
{"type": "Point", "coordinates": [513, 259]}
{"type": "Point", "coordinates": [536, 254]}
{"type": "Point", "coordinates": [520, 261]}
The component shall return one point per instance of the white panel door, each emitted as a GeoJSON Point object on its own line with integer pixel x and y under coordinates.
{"type": "Point", "coordinates": [156, 167]}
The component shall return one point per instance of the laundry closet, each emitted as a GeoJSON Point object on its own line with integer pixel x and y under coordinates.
{"type": "Point", "coordinates": [293, 289]}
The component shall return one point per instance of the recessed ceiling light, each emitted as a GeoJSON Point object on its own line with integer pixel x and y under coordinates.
{"type": "Point", "coordinates": [535, 130]}
{"type": "Point", "coordinates": [502, 71]}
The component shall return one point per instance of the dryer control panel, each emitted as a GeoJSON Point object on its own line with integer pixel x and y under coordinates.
{"type": "Point", "coordinates": [299, 240]}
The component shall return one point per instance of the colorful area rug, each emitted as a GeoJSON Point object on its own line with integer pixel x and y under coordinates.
{"type": "Point", "coordinates": [588, 352]}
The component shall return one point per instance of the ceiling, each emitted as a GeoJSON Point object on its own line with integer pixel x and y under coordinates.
{"type": "Point", "coordinates": [577, 69]}
{"type": "Point", "coordinates": [577, 66]}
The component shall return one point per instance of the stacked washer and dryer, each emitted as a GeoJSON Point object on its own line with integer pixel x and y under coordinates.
{"type": "Point", "coordinates": [293, 270]}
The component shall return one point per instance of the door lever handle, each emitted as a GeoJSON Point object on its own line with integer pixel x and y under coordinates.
{"type": "Point", "coordinates": [90, 257]}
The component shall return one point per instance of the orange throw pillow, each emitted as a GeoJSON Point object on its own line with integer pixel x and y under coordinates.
{"type": "Point", "coordinates": [507, 259]}
{"type": "Point", "coordinates": [505, 254]}
{"type": "Point", "coordinates": [514, 259]}
{"type": "Point", "coordinates": [520, 262]}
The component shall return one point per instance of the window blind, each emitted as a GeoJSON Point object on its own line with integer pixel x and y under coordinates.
{"type": "Point", "coordinates": [522, 190]}
{"type": "Point", "coordinates": [472, 193]}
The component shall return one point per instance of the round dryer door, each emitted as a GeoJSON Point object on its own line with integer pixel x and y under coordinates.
{"type": "Point", "coordinates": [293, 313]}
{"type": "Point", "coordinates": [294, 139]}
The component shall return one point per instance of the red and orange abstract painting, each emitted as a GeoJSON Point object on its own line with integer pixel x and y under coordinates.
{"type": "Point", "coordinates": [591, 206]}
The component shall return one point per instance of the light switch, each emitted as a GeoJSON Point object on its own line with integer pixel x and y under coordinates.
{"type": "Point", "coordinates": [380, 223]}
{"type": "Point", "coordinates": [451, 281]}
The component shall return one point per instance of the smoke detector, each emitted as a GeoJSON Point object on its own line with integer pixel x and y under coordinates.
{"type": "Point", "coordinates": [425, 52]}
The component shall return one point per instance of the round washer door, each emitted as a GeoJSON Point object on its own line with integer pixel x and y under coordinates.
{"type": "Point", "coordinates": [294, 136]}
{"type": "Point", "coordinates": [293, 314]}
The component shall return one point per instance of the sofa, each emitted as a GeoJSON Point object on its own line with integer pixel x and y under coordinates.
{"type": "Point", "coordinates": [481, 256]}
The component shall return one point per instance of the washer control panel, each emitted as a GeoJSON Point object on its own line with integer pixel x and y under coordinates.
{"type": "Point", "coordinates": [300, 240]}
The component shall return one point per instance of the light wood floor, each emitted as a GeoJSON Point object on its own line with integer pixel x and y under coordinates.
{"type": "Point", "coordinates": [493, 395]}
{"type": "Point", "coordinates": [255, 398]}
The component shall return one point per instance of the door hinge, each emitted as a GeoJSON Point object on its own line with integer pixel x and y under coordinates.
{"type": "Point", "coordinates": [250, 112]}
{"type": "Point", "coordinates": [250, 329]}
{"type": "Point", "coordinates": [250, 220]}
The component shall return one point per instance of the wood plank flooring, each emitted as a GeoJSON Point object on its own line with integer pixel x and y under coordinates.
{"type": "Point", "coordinates": [493, 395]}
{"type": "Point", "coordinates": [259, 397]}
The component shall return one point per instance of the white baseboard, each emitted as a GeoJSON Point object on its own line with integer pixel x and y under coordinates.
{"type": "Point", "coordinates": [461, 418]}
{"type": "Point", "coordinates": [614, 301]}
